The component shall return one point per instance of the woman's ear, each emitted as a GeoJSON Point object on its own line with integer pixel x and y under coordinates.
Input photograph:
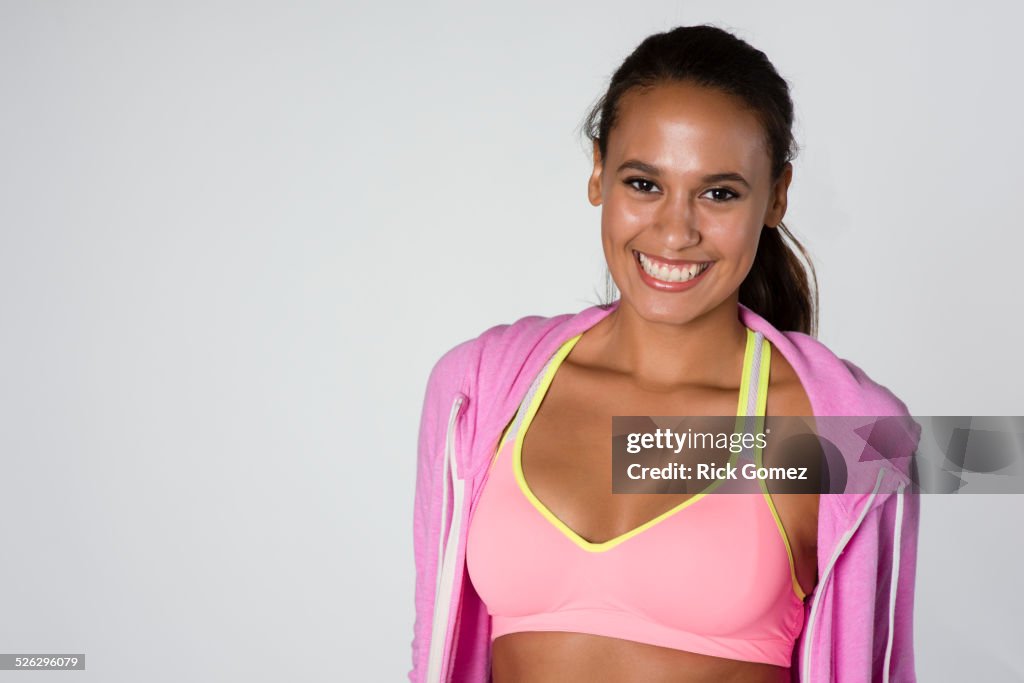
{"type": "Point", "coordinates": [594, 184]}
{"type": "Point", "coordinates": [777, 204]}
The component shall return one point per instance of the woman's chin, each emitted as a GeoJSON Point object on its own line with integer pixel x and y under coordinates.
{"type": "Point", "coordinates": [665, 308]}
{"type": "Point", "coordinates": [665, 313]}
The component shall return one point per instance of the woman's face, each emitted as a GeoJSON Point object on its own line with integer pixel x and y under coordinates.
{"type": "Point", "coordinates": [686, 189]}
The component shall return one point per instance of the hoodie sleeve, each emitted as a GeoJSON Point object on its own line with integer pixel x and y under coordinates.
{"type": "Point", "coordinates": [872, 619]}
{"type": "Point", "coordinates": [872, 624]}
{"type": "Point", "coordinates": [427, 504]}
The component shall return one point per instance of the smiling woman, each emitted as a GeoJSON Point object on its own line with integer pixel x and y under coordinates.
{"type": "Point", "coordinates": [528, 567]}
{"type": "Point", "coordinates": [706, 131]}
{"type": "Point", "coordinates": [678, 135]}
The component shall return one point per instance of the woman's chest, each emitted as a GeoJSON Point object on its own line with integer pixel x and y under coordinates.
{"type": "Point", "coordinates": [566, 453]}
{"type": "Point", "coordinates": [565, 457]}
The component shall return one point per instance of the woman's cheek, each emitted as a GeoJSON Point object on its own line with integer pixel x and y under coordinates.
{"type": "Point", "coordinates": [620, 227]}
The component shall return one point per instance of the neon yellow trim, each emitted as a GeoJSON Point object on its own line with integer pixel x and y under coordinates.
{"type": "Point", "coordinates": [550, 516]}
{"type": "Point", "coordinates": [762, 401]}
{"type": "Point", "coordinates": [785, 539]}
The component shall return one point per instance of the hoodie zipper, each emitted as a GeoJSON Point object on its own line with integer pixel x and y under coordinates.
{"type": "Point", "coordinates": [447, 548]}
{"type": "Point", "coordinates": [808, 636]}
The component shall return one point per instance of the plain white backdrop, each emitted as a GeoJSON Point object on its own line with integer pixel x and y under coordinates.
{"type": "Point", "coordinates": [235, 237]}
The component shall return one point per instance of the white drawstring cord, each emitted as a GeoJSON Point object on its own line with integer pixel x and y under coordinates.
{"type": "Point", "coordinates": [894, 580]}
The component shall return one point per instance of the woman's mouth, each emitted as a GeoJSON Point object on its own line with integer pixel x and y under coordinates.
{"type": "Point", "coordinates": [670, 275]}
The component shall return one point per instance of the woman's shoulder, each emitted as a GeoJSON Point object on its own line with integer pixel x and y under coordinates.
{"type": "Point", "coordinates": [834, 385]}
{"type": "Point", "coordinates": [845, 381]}
{"type": "Point", "coordinates": [495, 340]}
{"type": "Point", "coordinates": [510, 342]}
{"type": "Point", "coordinates": [786, 394]}
{"type": "Point", "coordinates": [487, 361]}
{"type": "Point", "coordinates": [840, 388]}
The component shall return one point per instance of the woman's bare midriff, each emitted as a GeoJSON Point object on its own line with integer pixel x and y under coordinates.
{"type": "Point", "coordinates": [558, 657]}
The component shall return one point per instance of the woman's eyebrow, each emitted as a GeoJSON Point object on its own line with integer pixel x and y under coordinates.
{"type": "Point", "coordinates": [640, 166]}
{"type": "Point", "coordinates": [719, 177]}
{"type": "Point", "coordinates": [644, 167]}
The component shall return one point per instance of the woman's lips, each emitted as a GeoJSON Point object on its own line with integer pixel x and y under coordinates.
{"type": "Point", "coordinates": [670, 275]}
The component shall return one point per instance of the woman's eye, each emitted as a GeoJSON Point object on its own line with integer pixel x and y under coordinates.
{"type": "Point", "coordinates": [644, 184]}
{"type": "Point", "coordinates": [724, 194]}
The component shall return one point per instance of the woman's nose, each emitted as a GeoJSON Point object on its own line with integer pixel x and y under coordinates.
{"type": "Point", "coordinates": [677, 224]}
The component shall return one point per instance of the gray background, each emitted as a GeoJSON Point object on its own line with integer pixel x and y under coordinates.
{"type": "Point", "coordinates": [235, 237]}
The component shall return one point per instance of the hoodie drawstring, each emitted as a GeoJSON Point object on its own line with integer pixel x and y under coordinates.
{"type": "Point", "coordinates": [894, 580]}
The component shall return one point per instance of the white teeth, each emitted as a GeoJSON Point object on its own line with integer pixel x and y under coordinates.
{"type": "Point", "coordinates": [675, 274]}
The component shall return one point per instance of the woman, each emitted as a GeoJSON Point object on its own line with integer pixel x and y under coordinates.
{"type": "Point", "coordinates": [528, 567]}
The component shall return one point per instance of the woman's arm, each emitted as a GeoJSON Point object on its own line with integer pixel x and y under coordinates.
{"type": "Point", "coordinates": [426, 525]}
{"type": "Point", "coordinates": [872, 623]}
{"type": "Point", "coordinates": [429, 504]}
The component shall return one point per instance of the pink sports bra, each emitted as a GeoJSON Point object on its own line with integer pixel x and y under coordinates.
{"type": "Point", "coordinates": [713, 575]}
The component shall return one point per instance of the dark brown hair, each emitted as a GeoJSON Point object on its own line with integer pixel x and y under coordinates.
{"type": "Point", "coordinates": [779, 286]}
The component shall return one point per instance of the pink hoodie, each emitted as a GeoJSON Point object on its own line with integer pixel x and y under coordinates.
{"type": "Point", "coordinates": [858, 621]}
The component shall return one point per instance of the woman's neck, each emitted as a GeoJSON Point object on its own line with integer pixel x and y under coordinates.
{"type": "Point", "coordinates": [663, 355]}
